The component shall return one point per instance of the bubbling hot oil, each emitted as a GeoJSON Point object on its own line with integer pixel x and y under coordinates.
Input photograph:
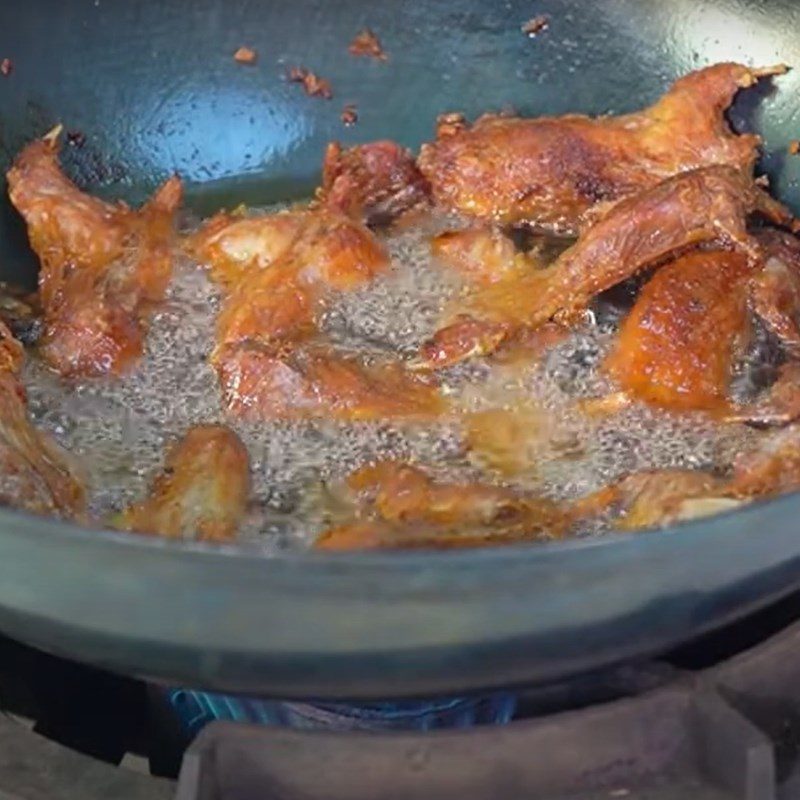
{"type": "Point", "coordinates": [120, 429]}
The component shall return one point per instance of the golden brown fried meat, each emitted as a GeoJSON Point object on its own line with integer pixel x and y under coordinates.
{"type": "Point", "coordinates": [399, 506]}
{"type": "Point", "coordinates": [777, 406]}
{"type": "Point", "coordinates": [552, 171]}
{"type": "Point", "coordinates": [314, 85]}
{"type": "Point", "coordinates": [507, 440]}
{"type": "Point", "coordinates": [366, 43]}
{"type": "Point", "coordinates": [482, 255]}
{"type": "Point", "coordinates": [279, 303]}
{"type": "Point", "coordinates": [676, 347]}
{"type": "Point", "coordinates": [702, 206]}
{"type": "Point", "coordinates": [658, 497]}
{"type": "Point", "coordinates": [12, 354]}
{"type": "Point", "coordinates": [233, 246]}
{"type": "Point", "coordinates": [103, 265]}
{"type": "Point", "coordinates": [770, 469]}
{"type": "Point", "coordinates": [202, 493]}
{"type": "Point", "coordinates": [313, 380]}
{"type": "Point", "coordinates": [775, 289]}
{"type": "Point", "coordinates": [36, 474]}
{"type": "Point", "coordinates": [376, 182]}
{"type": "Point", "coordinates": [662, 497]}
{"type": "Point", "coordinates": [271, 362]}
{"type": "Point", "coordinates": [405, 508]}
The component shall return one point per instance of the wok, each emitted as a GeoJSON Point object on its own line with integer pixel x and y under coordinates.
{"type": "Point", "coordinates": [154, 89]}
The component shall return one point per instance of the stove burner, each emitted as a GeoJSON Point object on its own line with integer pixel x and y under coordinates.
{"type": "Point", "coordinates": [194, 710]}
{"type": "Point", "coordinates": [717, 719]}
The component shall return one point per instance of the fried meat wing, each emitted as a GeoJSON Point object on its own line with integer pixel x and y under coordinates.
{"type": "Point", "coordinates": [702, 206]}
{"type": "Point", "coordinates": [103, 266]}
{"type": "Point", "coordinates": [36, 474]}
{"type": "Point", "coordinates": [202, 492]}
{"type": "Point", "coordinates": [552, 171]}
{"type": "Point", "coordinates": [375, 182]}
{"type": "Point", "coordinates": [270, 359]}
{"type": "Point", "coordinates": [403, 507]}
{"type": "Point", "coordinates": [676, 347]}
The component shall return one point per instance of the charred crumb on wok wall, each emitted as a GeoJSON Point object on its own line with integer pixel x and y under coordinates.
{"type": "Point", "coordinates": [349, 115]}
{"type": "Point", "coordinates": [245, 55]}
{"type": "Point", "coordinates": [366, 43]}
{"type": "Point", "coordinates": [314, 85]}
{"type": "Point", "coordinates": [76, 138]}
{"type": "Point", "coordinates": [536, 25]}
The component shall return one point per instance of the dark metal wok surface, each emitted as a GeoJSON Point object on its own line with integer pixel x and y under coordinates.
{"type": "Point", "coordinates": [153, 88]}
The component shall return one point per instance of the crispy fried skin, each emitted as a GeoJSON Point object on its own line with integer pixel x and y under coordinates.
{"type": "Point", "coordinates": [399, 506]}
{"type": "Point", "coordinates": [772, 468]}
{"type": "Point", "coordinates": [103, 265]}
{"type": "Point", "coordinates": [675, 348]}
{"type": "Point", "coordinates": [232, 247]}
{"type": "Point", "coordinates": [779, 405]}
{"type": "Point", "coordinates": [403, 508]}
{"type": "Point", "coordinates": [505, 439]}
{"type": "Point", "coordinates": [775, 289]}
{"type": "Point", "coordinates": [705, 205]}
{"type": "Point", "coordinates": [201, 494]}
{"type": "Point", "coordinates": [12, 354]}
{"type": "Point", "coordinates": [482, 255]}
{"type": "Point", "coordinates": [375, 182]}
{"type": "Point", "coordinates": [271, 363]}
{"type": "Point", "coordinates": [312, 380]}
{"type": "Point", "coordinates": [551, 171]}
{"type": "Point", "coordinates": [659, 497]}
{"type": "Point", "coordinates": [36, 474]}
{"type": "Point", "coordinates": [406, 508]}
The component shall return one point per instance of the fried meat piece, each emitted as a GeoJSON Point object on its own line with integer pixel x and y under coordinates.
{"type": "Point", "coordinates": [202, 492]}
{"type": "Point", "coordinates": [657, 498]}
{"type": "Point", "coordinates": [313, 380]}
{"type": "Point", "coordinates": [269, 357]}
{"type": "Point", "coordinates": [313, 85]}
{"type": "Point", "coordinates": [482, 255]}
{"type": "Point", "coordinates": [103, 265]}
{"type": "Point", "coordinates": [706, 205]}
{"type": "Point", "coordinates": [676, 347]}
{"type": "Point", "coordinates": [778, 405]}
{"type": "Point", "coordinates": [551, 171]}
{"type": "Point", "coordinates": [770, 469]}
{"type": "Point", "coordinates": [775, 289]}
{"type": "Point", "coordinates": [376, 182]}
{"type": "Point", "coordinates": [508, 441]}
{"type": "Point", "coordinates": [36, 474]}
{"type": "Point", "coordinates": [366, 43]}
{"type": "Point", "coordinates": [406, 508]}
{"type": "Point", "coordinates": [233, 246]}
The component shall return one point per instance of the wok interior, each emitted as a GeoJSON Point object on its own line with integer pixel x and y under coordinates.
{"type": "Point", "coordinates": [146, 90]}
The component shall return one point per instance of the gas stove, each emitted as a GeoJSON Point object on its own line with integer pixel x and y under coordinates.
{"type": "Point", "coordinates": [717, 719]}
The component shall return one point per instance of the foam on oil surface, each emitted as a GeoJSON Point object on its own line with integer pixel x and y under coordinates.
{"type": "Point", "coordinates": [120, 429]}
